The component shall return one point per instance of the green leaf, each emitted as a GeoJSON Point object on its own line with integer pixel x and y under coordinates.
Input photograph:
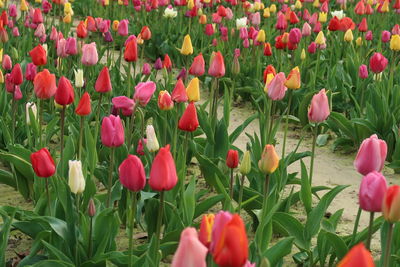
{"type": "Point", "coordinates": [7, 178]}
{"type": "Point", "coordinates": [221, 140]}
{"type": "Point", "coordinates": [189, 201]}
{"type": "Point", "coordinates": [279, 250]}
{"type": "Point", "coordinates": [305, 191]}
{"type": "Point", "coordinates": [238, 131]}
{"type": "Point", "coordinates": [56, 253]}
{"type": "Point", "coordinates": [4, 234]}
{"type": "Point", "coordinates": [338, 244]}
{"type": "Point", "coordinates": [53, 263]}
{"type": "Point", "coordinates": [292, 226]}
{"type": "Point", "coordinates": [207, 204]}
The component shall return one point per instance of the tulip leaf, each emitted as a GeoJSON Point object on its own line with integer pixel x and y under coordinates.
{"type": "Point", "coordinates": [279, 250]}
{"type": "Point", "coordinates": [189, 201]}
{"type": "Point", "coordinates": [305, 191]}
{"type": "Point", "coordinates": [221, 140]}
{"type": "Point", "coordinates": [292, 226]}
{"type": "Point", "coordinates": [207, 204]}
{"type": "Point", "coordinates": [315, 216]}
{"type": "Point", "coordinates": [52, 263]}
{"type": "Point", "coordinates": [338, 244]}
{"type": "Point", "coordinates": [56, 253]}
{"type": "Point", "coordinates": [4, 234]}
{"type": "Point", "coordinates": [238, 131]}
{"type": "Point", "coordinates": [7, 178]}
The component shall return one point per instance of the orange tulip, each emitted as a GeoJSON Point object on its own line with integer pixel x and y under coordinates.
{"type": "Point", "coordinates": [357, 256]}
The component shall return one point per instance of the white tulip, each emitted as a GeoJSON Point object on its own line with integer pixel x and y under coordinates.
{"type": "Point", "coordinates": [170, 13]}
{"type": "Point", "coordinates": [338, 13]}
{"type": "Point", "coordinates": [76, 180]}
{"type": "Point", "coordinates": [79, 82]}
{"type": "Point", "coordinates": [30, 106]}
{"type": "Point", "coordinates": [152, 142]}
{"type": "Point", "coordinates": [241, 23]}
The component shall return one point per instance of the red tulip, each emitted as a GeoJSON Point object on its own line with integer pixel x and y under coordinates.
{"type": "Point", "coordinates": [391, 204]}
{"type": "Point", "coordinates": [206, 227]}
{"type": "Point", "coordinates": [37, 16]}
{"type": "Point", "coordinates": [363, 27]}
{"type": "Point", "coordinates": [179, 94]}
{"type": "Point", "coordinates": [334, 24]}
{"type": "Point", "coordinates": [165, 101]}
{"type": "Point", "coordinates": [359, 9]}
{"type": "Point", "coordinates": [346, 23]}
{"type": "Point", "coordinates": [38, 55]}
{"type": "Point", "coordinates": [163, 175]}
{"type": "Point", "coordinates": [130, 54]}
{"type": "Point", "coordinates": [145, 33]}
{"type": "Point", "coordinates": [189, 122]}
{"type": "Point", "coordinates": [131, 173]}
{"type": "Point", "coordinates": [44, 84]}
{"type": "Point", "coordinates": [167, 63]}
{"type": "Point", "coordinates": [65, 92]}
{"type": "Point", "coordinates": [112, 131]}
{"type": "Point", "coordinates": [231, 248]}
{"type": "Point", "coordinates": [81, 30]}
{"type": "Point", "coordinates": [357, 256]}
{"type": "Point", "coordinates": [16, 75]}
{"type": "Point", "coordinates": [319, 108]}
{"type": "Point", "coordinates": [198, 65]}
{"type": "Point", "coordinates": [84, 107]}
{"type": "Point", "coordinates": [371, 155]}
{"type": "Point", "coordinates": [42, 163]}
{"type": "Point", "coordinates": [378, 62]}
{"type": "Point", "coordinates": [232, 158]}
{"type": "Point", "coordinates": [103, 82]}
{"type": "Point", "coordinates": [217, 65]}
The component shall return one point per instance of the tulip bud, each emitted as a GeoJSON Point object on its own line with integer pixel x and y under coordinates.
{"type": "Point", "coordinates": [319, 108]}
{"type": "Point", "coordinates": [363, 72]}
{"type": "Point", "coordinates": [245, 164]}
{"type": "Point", "coordinates": [395, 42]}
{"type": "Point", "coordinates": [79, 81]}
{"type": "Point", "coordinates": [91, 208]}
{"type": "Point", "coordinates": [391, 204]}
{"type": "Point", "coordinates": [76, 181]}
{"type": "Point", "coordinates": [269, 161]}
{"type": "Point", "coordinates": [232, 158]}
{"type": "Point", "coordinates": [193, 90]}
{"type": "Point", "coordinates": [43, 163]}
{"type": "Point", "coordinates": [372, 190]}
{"type": "Point", "coordinates": [164, 100]}
{"type": "Point", "coordinates": [303, 54]}
{"type": "Point", "coordinates": [30, 106]}
{"type": "Point", "coordinates": [152, 141]}
{"type": "Point", "coordinates": [348, 36]}
{"type": "Point", "coordinates": [187, 48]}
{"type": "Point", "coordinates": [371, 155]}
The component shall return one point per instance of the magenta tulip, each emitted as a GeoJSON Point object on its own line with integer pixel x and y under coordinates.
{"type": "Point", "coordinates": [372, 191]}
{"type": "Point", "coordinates": [112, 131]}
{"type": "Point", "coordinates": [143, 92]}
{"type": "Point", "coordinates": [378, 63]}
{"type": "Point", "coordinates": [371, 155]}
{"type": "Point", "coordinates": [131, 173]}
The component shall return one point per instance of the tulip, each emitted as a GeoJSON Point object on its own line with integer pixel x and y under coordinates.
{"type": "Point", "coordinates": [348, 36]}
{"type": "Point", "coordinates": [391, 204]}
{"type": "Point", "coordinates": [152, 141]}
{"type": "Point", "coordinates": [372, 190]}
{"type": "Point", "coordinates": [369, 36]}
{"type": "Point", "coordinates": [179, 94]}
{"type": "Point", "coordinates": [386, 36]}
{"type": "Point", "coordinates": [30, 72]}
{"type": "Point", "coordinates": [132, 174]}
{"type": "Point", "coordinates": [395, 42]}
{"type": "Point", "coordinates": [42, 163]}
{"type": "Point", "coordinates": [163, 175]}
{"type": "Point", "coordinates": [76, 181]}
{"type": "Point", "coordinates": [81, 30]}
{"type": "Point", "coordinates": [103, 82]}
{"type": "Point", "coordinates": [16, 75]}
{"type": "Point", "coordinates": [6, 62]}
{"type": "Point", "coordinates": [306, 30]}
{"type": "Point", "coordinates": [146, 70]}
{"type": "Point", "coordinates": [187, 48]}
{"type": "Point", "coordinates": [371, 155]}
{"type": "Point", "coordinates": [363, 72]}
{"type": "Point", "coordinates": [182, 74]}
{"type": "Point", "coordinates": [261, 36]}
{"type": "Point", "coordinates": [167, 64]}
{"type": "Point", "coordinates": [165, 101]}
{"type": "Point", "coordinates": [112, 131]}
{"type": "Point", "coordinates": [38, 55]}
{"type": "Point", "coordinates": [65, 92]}
{"type": "Point", "coordinates": [145, 33]}
{"type": "Point", "coordinates": [44, 84]}
{"type": "Point", "coordinates": [276, 89]}
{"type": "Point", "coordinates": [319, 108]}
{"type": "Point", "coordinates": [190, 251]}
{"type": "Point", "coordinates": [295, 35]}
{"type": "Point", "coordinates": [30, 107]}
{"type": "Point", "coordinates": [320, 40]}
{"type": "Point", "coordinates": [205, 231]}
{"type": "Point", "coordinates": [198, 65]}
{"type": "Point", "coordinates": [143, 92]}
{"type": "Point", "coordinates": [193, 90]}
{"type": "Point", "coordinates": [293, 79]}
{"type": "Point", "coordinates": [231, 249]}
{"type": "Point", "coordinates": [363, 27]}
{"type": "Point", "coordinates": [125, 104]}
{"type": "Point", "coordinates": [70, 46]}
{"type": "Point", "coordinates": [217, 65]}
{"type": "Point", "coordinates": [357, 256]}
{"type": "Point", "coordinates": [140, 149]}
{"type": "Point", "coordinates": [89, 54]}
{"type": "Point", "coordinates": [269, 161]}
{"type": "Point", "coordinates": [84, 107]}
{"type": "Point", "coordinates": [232, 158]}
{"type": "Point", "coordinates": [123, 27]}
{"type": "Point", "coordinates": [170, 13]}
{"type": "Point", "coordinates": [79, 81]}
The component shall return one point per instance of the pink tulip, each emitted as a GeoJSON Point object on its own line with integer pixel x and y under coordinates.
{"type": "Point", "coordinates": [104, 25]}
{"type": "Point", "coordinates": [295, 35]}
{"type": "Point", "coordinates": [243, 33]}
{"type": "Point", "coordinates": [15, 31]}
{"type": "Point", "coordinates": [112, 131]}
{"type": "Point", "coordinates": [46, 6]}
{"type": "Point", "coordinates": [10, 86]}
{"type": "Point", "coordinates": [17, 93]}
{"type": "Point", "coordinates": [131, 173]}
{"type": "Point", "coordinates": [371, 155]}
{"type": "Point", "coordinates": [70, 46]}
{"type": "Point", "coordinates": [7, 63]}
{"type": "Point", "coordinates": [143, 92]}
{"type": "Point", "coordinates": [123, 27]}
{"type": "Point", "coordinates": [125, 104]}
{"type": "Point", "coordinates": [198, 66]}
{"type": "Point", "coordinates": [306, 30]}
{"type": "Point", "coordinates": [372, 191]}
{"type": "Point", "coordinates": [378, 62]}
{"type": "Point", "coordinates": [319, 108]}
{"type": "Point", "coordinates": [276, 88]}
{"type": "Point", "coordinates": [30, 71]}
{"type": "Point", "coordinates": [61, 48]}
{"type": "Point", "coordinates": [255, 18]}
{"type": "Point", "coordinates": [386, 36]}
{"type": "Point", "coordinates": [312, 48]}
{"type": "Point", "coordinates": [220, 220]}
{"type": "Point", "coordinates": [89, 54]}
{"type": "Point", "coordinates": [217, 65]}
{"type": "Point", "coordinates": [40, 30]}
{"type": "Point", "coordinates": [190, 251]}
{"type": "Point", "coordinates": [369, 36]}
{"type": "Point", "coordinates": [12, 10]}
{"type": "Point", "coordinates": [209, 30]}
{"type": "Point", "coordinates": [53, 34]}
{"type": "Point", "coordinates": [146, 70]}
{"type": "Point", "coordinates": [179, 94]}
{"type": "Point", "coordinates": [281, 22]}
{"type": "Point", "coordinates": [363, 72]}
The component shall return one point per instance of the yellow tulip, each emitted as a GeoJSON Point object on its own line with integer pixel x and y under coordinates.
{"type": "Point", "coordinates": [190, 4]}
{"type": "Point", "coordinates": [23, 6]}
{"type": "Point", "coordinates": [187, 48]}
{"type": "Point", "coordinates": [303, 54]}
{"type": "Point", "coordinates": [245, 165]}
{"type": "Point", "coordinates": [293, 80]}
{"type": "Point", "coordinates": [68, 9]}
{"type": "Point", "coordinates": [359, 41]}
{"type": "Point", "coordinates": [298, 5]}
{"type": "Point", "coordinates": [385, 7]}
{"type": "Point", "coordinates": [115, 25]}
{"type": "Point", "coordinates": [272, 8]}
{"type": "Point", "coordinates": [261, 36]}
{"type": "Point", "coordinates": [269, 161]}
{"type": "Point", "coordinates": [320, 40]}
{"type": "Point", "coordinates": [193, 90]}
{"type": "Point", "coordinates": [395, 42]}
{"type": "Point", "coordinates": [266, 13]}
{"type": "Point", "coordinates": [1, 77]}
{"type": "Point", "coordinates": [67, 19]}
{"type": "Point", "coordinates": [323, 16]}
{"type": "Point", "coordinates": [316, 4]}
{"type": "Point", "coordinates": [348, 36]}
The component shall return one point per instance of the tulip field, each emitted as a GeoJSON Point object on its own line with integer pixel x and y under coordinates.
{"type": "Point", "coordinates": [194, 133]}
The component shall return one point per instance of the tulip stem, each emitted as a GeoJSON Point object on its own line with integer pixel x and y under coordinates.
{"type": "Point", "coordinates": [41, 108]}
{"type": "Point", "coordinates": [231, 186]}
{"type": "Point", "coordinates": [80, 138]}
{"type": "Point", "coordinates": [90, 237]}
{"type": "Point", "coordinates": [316, 68]}
{"type": "Point", "coordinates": [96, 131]}
{"type": "Point", "coordinates": [77, 198]}
{"type": "Point", "coordinates": [131, 226]}
{"type": "Point", "coordinates": [62, 117]}
{"type": "Point", "coordinates": [130, 124]}
{"type": "Point", "coordinates": [371, 224]}
{"type": "Point", "coordinates": [110, 171]}
{"type": "Point", "coordinates": [356, 225]}
{"type": "Point", "coordinates": [48, 195]}
{"type": "Point", "coordinates": [388, 246]}
{"type": "Point", "coordinates": [13, 115]}
{"type": "Point", "coordinates": [290, 94]}
{"type": "Point", "coordinates": [159, 222]}
{"type": "Point", "coordinates": [314, 142]}
{"type": "Point", "coordinates": [241, 193]}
